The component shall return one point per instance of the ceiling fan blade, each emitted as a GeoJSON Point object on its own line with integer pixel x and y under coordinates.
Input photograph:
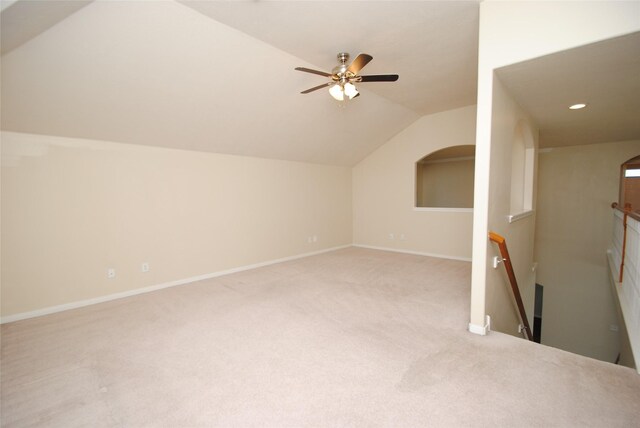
{"type": "Point", "coordinates": [308, 70]}
{"type": "Point", "coordinates": [315, 88]}
{"type": "Point", "coordinates": [379, 78]}
{"type": "Point", "coordinates": [359, 63]}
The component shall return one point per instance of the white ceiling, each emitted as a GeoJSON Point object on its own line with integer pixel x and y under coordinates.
{"type": "Point", "coordinates": [26, 19]}
{"type": "Point", "coordinates": [219, 76]}
{"type": "Point", "coordinates": [604, 75]}
{"type": "Point", "coordinates": [432, 45]}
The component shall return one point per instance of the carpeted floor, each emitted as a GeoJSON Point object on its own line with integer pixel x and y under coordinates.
{"type": "Point", "coordinates": [351, 338]}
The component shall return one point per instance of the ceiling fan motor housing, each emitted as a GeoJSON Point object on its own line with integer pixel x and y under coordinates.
{"type": "Point", "coordinates": [339, 72]}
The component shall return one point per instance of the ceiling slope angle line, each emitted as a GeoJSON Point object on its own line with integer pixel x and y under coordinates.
{"type": "Point", "coordinates": [22, 20]}
{"type": "Point", "coordinates": [159, 82]}
{"type": "Point", "coordinates": [343, 77]}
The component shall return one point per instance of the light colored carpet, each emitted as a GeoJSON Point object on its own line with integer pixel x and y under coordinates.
{"type": "Point", "coordinates": [354, 338]}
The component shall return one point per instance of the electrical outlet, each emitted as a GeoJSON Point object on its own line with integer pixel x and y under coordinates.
{"type": "Point", "coordinates": [144, 267]}
{"type": "Point", "coordinates": [111, 273]}
{"type": "Point", "coordinates": [315, 238]}
{"type": "Point", "coordinates": [402, 237]}
{"type": "Point", "coordinates": [391, 236]}
{"type": "Point", "coordinates": [613, 327]}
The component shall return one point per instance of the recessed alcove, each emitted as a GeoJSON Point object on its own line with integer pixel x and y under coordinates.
{"type": "Point", "coordinates": [522, 171]}
{"type": "Point", "coordinates": [444, 179]}
{"type": "Point", "coordinates": [522, 167]}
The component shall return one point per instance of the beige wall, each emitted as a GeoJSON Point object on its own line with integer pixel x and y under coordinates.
{"type": "Point", "coordinates": [384, 189]}
{"type": "Point", "coordinates": [507, 123]}
{"type": "Point", "coordinates": [73, 208]}
{"type": "Point", "coordinates": [574, 225]}
{"type": "Point", "coordinates": [445, 184]}
{"type": "Point", "coordinates": [511, 32]}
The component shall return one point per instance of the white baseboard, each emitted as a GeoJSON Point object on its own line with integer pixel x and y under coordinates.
{"type": "Point", "coordinates": [478, 329]}
{"type": "Point", "coordinates": [418, 253]}
{"type": "Point", "coordinates": [482, 330]}
{"type": "Point", "coordinates": [128, 293]}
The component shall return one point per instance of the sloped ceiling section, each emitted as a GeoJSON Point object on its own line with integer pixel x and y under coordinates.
{"type": "Point", "coordinates": [164, 74]}
{"type": "Point", "coordinates": [433, 45]}
{"type": "Point", "coordinates": [24, 20]}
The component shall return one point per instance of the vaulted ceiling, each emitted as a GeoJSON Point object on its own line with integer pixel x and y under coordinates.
{"type": "Point", "coordinates": [219, 76]}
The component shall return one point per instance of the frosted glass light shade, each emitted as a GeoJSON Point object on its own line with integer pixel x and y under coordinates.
{"type": "Point", "coordinates": [337, 92]}
{"type": "Point", "coordinates": [350, 90]}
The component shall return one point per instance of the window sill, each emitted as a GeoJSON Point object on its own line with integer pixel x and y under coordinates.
{"type": "Point", "coordinates": [445, 210]}
{"type": "Point", "coordinates": [520, 216]}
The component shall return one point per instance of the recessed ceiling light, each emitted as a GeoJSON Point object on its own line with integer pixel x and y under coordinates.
{"type": "Point", "coordinates": [577, 106]}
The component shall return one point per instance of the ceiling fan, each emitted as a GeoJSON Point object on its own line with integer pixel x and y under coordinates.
{"type": "Point", "coordinates": [343, 76]}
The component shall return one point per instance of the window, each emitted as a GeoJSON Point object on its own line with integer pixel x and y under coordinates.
{"type": "Point", "coordinates": [630, 185]}
{"type": "Point", "coordinates": [444, 179]}
{"type": "Point", "coordinates": [632, 173]}
{"type": "Point", "coordinates": [522, 168]}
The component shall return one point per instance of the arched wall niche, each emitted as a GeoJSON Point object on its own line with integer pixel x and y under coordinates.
{"type": "Point", "coordinates": [444, 178]}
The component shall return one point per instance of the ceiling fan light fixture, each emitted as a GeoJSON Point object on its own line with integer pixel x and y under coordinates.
{"type": "Point", "coordinates": [344, 92]}
{"type": "Point", "coordinates": [337, 92]}
{"type": "Point", "coordinates": [350, 90]}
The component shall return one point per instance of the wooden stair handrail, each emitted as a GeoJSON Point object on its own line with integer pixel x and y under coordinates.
{"type": "Point", "coordinates": [504, 253]}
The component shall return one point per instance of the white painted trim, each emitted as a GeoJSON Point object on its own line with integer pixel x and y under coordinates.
{"type": "Point", "coordinates": [444, 209]}
{"type": "Point", "coordinates": [478, 329]}
{"type": "Point", "coordinates": [458, 159]}
{"type": "Point", "coordinates": [417, 253]}
{"type": "Point", "coordinates": [128, 293]}
{"type": "Point", "coordinates": [632, 334]}
{"type": "Point", "coordinates": [520, 216]}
